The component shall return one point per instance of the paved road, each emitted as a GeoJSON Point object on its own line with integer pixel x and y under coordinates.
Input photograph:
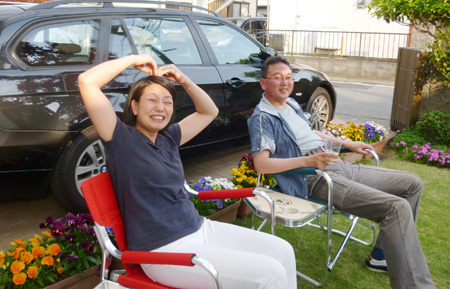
{"type": "Point", "coordinates": [361, 102]}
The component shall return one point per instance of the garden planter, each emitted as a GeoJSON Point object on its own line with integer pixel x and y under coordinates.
{"type": "Point", "coordinates": [351, 157]}
{"type": "Point", "coordinates": [89, 280]}
{"type": "Point", "coordinates": [227, 215]}
{"type": "Point", "coordinates": [378, 147]}
{"type": "Point", "coordinates": [354, 157]}
{"type": "Point", "coordinates": [243, 210]}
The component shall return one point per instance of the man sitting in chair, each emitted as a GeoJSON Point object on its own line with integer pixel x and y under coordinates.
{"type": "Point", "coordinates": [282, 139]}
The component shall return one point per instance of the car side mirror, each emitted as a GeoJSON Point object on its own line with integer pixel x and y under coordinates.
{"type": "Point", "coordinates": [267, 52]}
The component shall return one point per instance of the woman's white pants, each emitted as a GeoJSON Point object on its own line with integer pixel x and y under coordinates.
{"type": "Point", "coordinates": [244, 258]}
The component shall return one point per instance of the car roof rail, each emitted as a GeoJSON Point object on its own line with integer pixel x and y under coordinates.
{"type": "Point", "coordinates": [109, 4]}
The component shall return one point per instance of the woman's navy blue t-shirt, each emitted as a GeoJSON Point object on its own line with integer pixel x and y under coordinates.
{"type": "Point", "coordinates": [148, 180]}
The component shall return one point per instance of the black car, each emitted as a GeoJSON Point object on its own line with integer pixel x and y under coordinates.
{"type": "Point", "coordinates": [255, 26]}
{"type": "Point", "coordinates": [47, 140]}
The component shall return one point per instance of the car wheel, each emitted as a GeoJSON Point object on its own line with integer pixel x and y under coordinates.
{"type": "Point", "coordinates": [320, 108]}
{"type": "Point", "coordinates": [83, 157]}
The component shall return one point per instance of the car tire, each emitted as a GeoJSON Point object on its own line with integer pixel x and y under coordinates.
{"type": "Point", "coordinates": [83, 157]}
{"type": "Point", "coordinates": [320, 107]}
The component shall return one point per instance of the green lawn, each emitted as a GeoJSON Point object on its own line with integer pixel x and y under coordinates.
{"type": "Point", "coordinates": [350, 272]}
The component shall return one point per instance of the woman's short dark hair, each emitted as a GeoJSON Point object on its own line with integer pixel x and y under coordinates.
{"type": "Point", "coordinates": [136, 92]}
{"type": "Point", "coordinates": [272, 60]}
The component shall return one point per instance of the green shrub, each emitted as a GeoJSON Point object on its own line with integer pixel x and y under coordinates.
{"type": "Point", "coordinates": [435, 127]}
{"type": "Point", "coordinates": [427, 142]}
{"type": "Point", "coordinates": [410, 136]}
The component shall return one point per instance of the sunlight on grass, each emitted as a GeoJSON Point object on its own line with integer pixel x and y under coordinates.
{"type": "Point", "coordinates": [350, 271]}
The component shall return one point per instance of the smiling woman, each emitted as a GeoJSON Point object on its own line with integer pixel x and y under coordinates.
{"type": "Point", "coordinates": [147, 176]}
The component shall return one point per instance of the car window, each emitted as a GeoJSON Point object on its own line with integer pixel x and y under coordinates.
{"type": "Point", "coordinates": [168, 40]}
{"type": "Point", "coordinates": [60, 44]}
{"type": "Point", "coordinates": [229, 45]}
{"type": "Point", "coordinates": [258, 25]}
{"type": "Point", "coordinates": [119, 44]}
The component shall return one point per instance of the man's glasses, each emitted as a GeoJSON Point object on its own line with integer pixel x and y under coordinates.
{"type": "Point", "coordinates": [280, 79]}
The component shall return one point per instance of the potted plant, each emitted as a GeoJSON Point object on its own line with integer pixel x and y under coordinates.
{"type": "Point", "coordinates": [245, 176]}
{"type": "Point", "coordinates": [370, 132]}
{"type": "Point", "coordinates": [69, 248]}
{"type": "Point", "coordinates": [221, 210]}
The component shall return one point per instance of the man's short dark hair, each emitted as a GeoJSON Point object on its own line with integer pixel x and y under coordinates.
{"type": "Point", "coordinates": [273, 60]}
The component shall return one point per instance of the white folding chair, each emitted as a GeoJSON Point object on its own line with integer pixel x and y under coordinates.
{"type": "Point", "coordinates": [296, 212]}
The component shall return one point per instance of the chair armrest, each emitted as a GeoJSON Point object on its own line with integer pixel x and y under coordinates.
{"type": "Point", "coordinates": [345, 150]}
{"type": "Point", "coordinates": [225, 194]}
{"type": "Point", "coordinates": [177, 259]}
{"type": "Point", "coordinates": [140, 257]}
{"type": "Point", "coordinates": [300, 171]}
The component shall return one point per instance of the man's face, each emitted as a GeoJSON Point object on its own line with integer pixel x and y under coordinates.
{"type": "Point", "coordinates": [278, 83]}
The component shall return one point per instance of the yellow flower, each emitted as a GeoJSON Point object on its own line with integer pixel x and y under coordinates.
{"type": "Point", "coordinates": [60, 270]}
{"type": "Point", "coordinates": [239, 187]}
{"type": "Point", "coordinates": [239, 180]}
{"type": "Point", "coordinates": [19, 279]}
{"type": "Point", "coordinates": [2, 258]}
{"type": "Point", "coordinates": [36, 241]}
{"type": "Point", "coordinates": [251, 181]}
{"type": "Point", "coordinates": [47, 233]}
{"type": "Point", "coordinates": [235, 171]}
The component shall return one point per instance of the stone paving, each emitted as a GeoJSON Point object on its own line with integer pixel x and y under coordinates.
{"type": "Point", "coordinates": [21, 218]}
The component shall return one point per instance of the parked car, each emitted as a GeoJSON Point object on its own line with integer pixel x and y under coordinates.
{"type": "Point", "coordinates": [47, 140]}
{"type": "Point", "coordinates": [255, 26]}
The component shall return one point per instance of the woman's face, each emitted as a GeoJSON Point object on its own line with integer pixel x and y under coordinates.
{"type": "Point", "coordinates": [154, 110]}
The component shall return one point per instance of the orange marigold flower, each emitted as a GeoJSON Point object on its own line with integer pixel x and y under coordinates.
{"type": "Point", "coordinates": [32, 271]}
{"type": "Point", "coordinates": [48, 234]}
{"type": "Point", "coordinates": [38, 252]}
{"type": "Point", "coordinates": [54, 249]}
{"type": "Point", "coordinates": [16, 253]}
{"type": "Point", "coordinates": [18, 241]}
{"type": "Point", "coordinates": [48, 260]}
{"type": "Point", "coordinates": [19, 279]}
{"type": "Point", "coordinates": [17, 266]}
{"type": "Point", "coordinates": [60, 270]}
{"type": "Point", "coordinates": [26, 257]}
{"type": "Point", "coordinates": [2, 258]}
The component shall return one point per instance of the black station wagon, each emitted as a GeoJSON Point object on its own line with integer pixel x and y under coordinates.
{"type": "Point", "coordinates": [47, 141]}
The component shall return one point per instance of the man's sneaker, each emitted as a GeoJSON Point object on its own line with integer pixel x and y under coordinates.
{"type": "Point", "coordinates": [376, 265]}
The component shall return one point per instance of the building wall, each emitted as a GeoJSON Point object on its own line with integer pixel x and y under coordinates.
{"type": "Point", "coordinates": [319, 14]}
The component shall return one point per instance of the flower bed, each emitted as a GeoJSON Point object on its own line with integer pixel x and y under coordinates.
{"type": "Point", "coordinates": [206, 208]}
{"type": "Point", "coordinates": [245, 176]}
{"type": "Point", "coordinates": [69, 248]}
{"type": "Point", "coordinates": [369, 132]}
{"type": "Point", "coordinates": [424, 154]}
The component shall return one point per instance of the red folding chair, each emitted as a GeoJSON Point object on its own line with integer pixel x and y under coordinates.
{"type": "Point", "coordinates": [101, 200]}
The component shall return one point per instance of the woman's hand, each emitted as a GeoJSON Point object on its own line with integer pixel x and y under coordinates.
{"type": "Point", "coordinates": [146, 63]}
{"type": "Point", "coordinates": [171, 72]}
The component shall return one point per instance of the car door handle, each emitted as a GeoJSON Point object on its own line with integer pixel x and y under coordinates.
{"type": "Point", "coordinates": [235, 82]}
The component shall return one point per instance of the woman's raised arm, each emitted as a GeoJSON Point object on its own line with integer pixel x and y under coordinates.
{"type": "Point", "coordinates": [97, 104]}
{"type": "Point", "coordinates": [206, 110]}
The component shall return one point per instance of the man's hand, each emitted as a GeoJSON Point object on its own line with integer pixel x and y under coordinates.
{"type": "Point", "coordinates": [357, 146]}
{"type": "Point", "coordinates": [322, 160]}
